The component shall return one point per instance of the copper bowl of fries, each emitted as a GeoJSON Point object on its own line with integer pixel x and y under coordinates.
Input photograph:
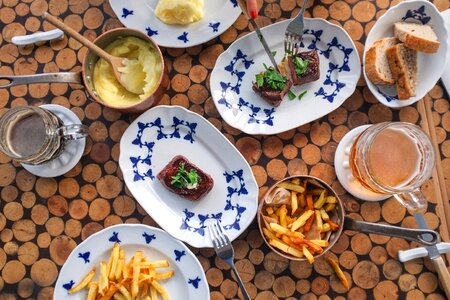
{"type": "Point", "coordinates": [301, 218]}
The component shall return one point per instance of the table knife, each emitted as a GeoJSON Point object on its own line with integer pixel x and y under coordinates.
{"type": "Point", "coordinates": [435, 257]}
{"type": "Point", "coordinates": [261, 38]}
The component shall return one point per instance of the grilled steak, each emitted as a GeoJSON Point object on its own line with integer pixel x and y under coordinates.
{"type": "Point", "coordinates": [273, 97]}
{"type": "Point", "coordinates": [312, 72]}
{"type": "Point", "coordinates": [205, 182]}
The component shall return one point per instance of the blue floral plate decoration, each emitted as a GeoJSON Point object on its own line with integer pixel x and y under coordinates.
{"type": "Point", "coordinates": [430, 67]}
{"type": "Point", "coordinates": [219, 15]}
{"type": "Point", "coordinates": [151, 142]}
{"type": "Point", "coordinates": [235, 70]}
{"type": "Point", "coordinates": [188, 281]}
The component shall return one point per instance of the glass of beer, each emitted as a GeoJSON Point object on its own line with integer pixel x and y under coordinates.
{"type": "Point", "coordinates": [33, 135]}
{"type": "Point", "coordinates": [394, 158]}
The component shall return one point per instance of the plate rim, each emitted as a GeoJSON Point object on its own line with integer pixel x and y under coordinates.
{"type": "Point", "coordinates": [251, 177]}
{"type": "Point", "coordinates": [398, 104]}
{"type": "Point", "coordinates": [182, 28]}
{"type": "Point", "coordinates": [132, 226]}
{"type": "Point", "coordinates": [227, 52]}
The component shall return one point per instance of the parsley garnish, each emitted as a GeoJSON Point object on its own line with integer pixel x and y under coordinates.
{"type": "Point", "coordinates": [302, 94]}
{"type": "Point", "coordinates": [185, 179]}
{"type": "Point", "coordinates": [274, 53]}
{"type": "Point", "coordinates": [291, 95]}
{"type": "Point", "coordinates": [300, 65]}
{"type": "Point", "coordinates": [271, 78]}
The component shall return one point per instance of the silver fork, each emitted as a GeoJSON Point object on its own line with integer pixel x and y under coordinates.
{"type": "Point", "coordinates": [224, 250]}
{"type": "Point", "coordinates": [294, 32]}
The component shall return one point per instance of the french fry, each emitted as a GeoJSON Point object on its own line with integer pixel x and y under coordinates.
{"type": "Point", "coordinates": [291, 187]}
{"type": "Point", "coordinates": [125, 293]}
{"type": "Point", "coordinates": [296, 181]}
{"type": "Point", "coordinates": [269, 210]}
{"type": "Point", "coordinates": [315, 248]}
{"type": "Point", "coordinates": [338, 272]}
{"type": "Point", "coordinates": [112, 289]}
{"type": "Point", "coordinates": [321, 201]}
{"type": "Point", "coordinates": [294, 202]}
{"type": "Point", "coordinates": [329, 207]}
{"type": "Point", "coordinates": [120, 265]}
{"type": "Point", "coordinates": [324, 215]}
{"type": "Point", "coordinates": [93, 289]}
{"type": "Point", "coordinates": [156, 264]}
{"type": "Point", "coordinates": [118, 296]}
{"type": "Point", "coordinates": [84, 282]}
{"type": "Point", "coordinates": [326, 227]}
{"type": "Point", "coordinates": [144, 290]}
{"type": "Point", "coordinates": [309, 202]}
{"type": "Point", "coordinates": [285, 248]}
{"type": "Point", "coordinates": [153, 293]}
{"type": "Point", "coordinates": [135, 277]}
{"type": "Point", "coordinates": [320, 243]}
{"type": "Point", "coordinates": [165, 275]}
{"type": "Point", "coordinates": [308, 255]}
{"type": "Point", "coordinates": [103, 283]}
{"type": "Point", "coordinates": [308, 223]}
{"type": "Point", "coordinates": [331, 199]}
{"type": "Point", "coordinates": [283, 212]}
{"type": "Point", "coordinates": [286, 239]}
{"type": "Point", "coordinates": [269, 234]}
{"type": "Point", "coordinates": [114, 260]}
{"type": "Point", "coordinates": [318, 220]}
{"type": "Point", "coordinates": [301, 200]}
{"type": "Point", "coordinates": [302, 220]}
{"type": "Point", "coordinates": [160, 290]}
{"type": "Point", "coordinates": [333, 226]}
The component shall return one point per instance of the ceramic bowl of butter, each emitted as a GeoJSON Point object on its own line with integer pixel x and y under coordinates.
{"type": "Point", "coordinates": [147, 67]}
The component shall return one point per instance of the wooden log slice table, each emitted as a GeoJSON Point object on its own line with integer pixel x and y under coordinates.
{"type": "Point", "coordinates": [42, 220]}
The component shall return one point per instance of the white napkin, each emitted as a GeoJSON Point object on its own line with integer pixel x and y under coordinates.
{"type": "Point", "coordinates": [446, 76]}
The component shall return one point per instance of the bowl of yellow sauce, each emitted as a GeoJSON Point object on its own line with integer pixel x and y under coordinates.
{"type": "Point", "coordinates": [147, 69]}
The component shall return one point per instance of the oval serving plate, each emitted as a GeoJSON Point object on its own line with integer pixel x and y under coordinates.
{"type": "Point", "coordinates": [218, 16]}
{"type": "Point", "coordinates": [235, 70]}
{"type": "Point", "coordinates": [188, 281]}
{"type": "Point", "coordinates": [163, 132]}
{"type": "Point", "coordinates": [429, 66]}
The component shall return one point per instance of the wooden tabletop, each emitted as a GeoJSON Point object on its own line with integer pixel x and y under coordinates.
{"type": "Point", "coordinates": [42, 220]}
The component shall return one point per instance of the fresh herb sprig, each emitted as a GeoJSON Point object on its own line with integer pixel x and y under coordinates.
{"type": "Point", "coordinates": [271, 78]}
{"type": "Point", "coordinates": [185, 179]}
{"type": "Point", "coordinates": [300, 65]}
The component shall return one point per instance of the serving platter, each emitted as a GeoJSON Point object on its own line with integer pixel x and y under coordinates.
{"type": "Point", "coordinates": [219, 15]}
{"type": "Point", "coordinates": [188, 281]}
{"type": "Point", "coordinates": [163, 132]}
{"type": "Point", "coordinates": [429, 66]}
{"type": "Point", "coordinates": [235, 70]}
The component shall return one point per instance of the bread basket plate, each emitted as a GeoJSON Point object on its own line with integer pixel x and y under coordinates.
{"type": "Point", "coordinates": [218, 16]}
{"type": "Point", "coordinates": [164, 132]}
{"type": "Point", "coordinates": [188, 281]}
{"type": "Point", "coordinates": [235, 70]}
{"type": "Point", "coordinates": [429, 66]}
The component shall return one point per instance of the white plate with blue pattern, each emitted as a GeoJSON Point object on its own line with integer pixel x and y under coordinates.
{"type": "Point", "coordinates": [235, 70]}
{"type": "Point", "coordinates": [163, 132]}
{"type": "Point", "coordinates": [188, 281]}
{"type": "Point", "coordinates": [219, 15]}
{"type": "Point", "coordinates": [430, 67]}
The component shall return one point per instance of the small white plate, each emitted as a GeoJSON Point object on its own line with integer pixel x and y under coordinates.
{"type": "Point", "coordinates": [188, 282]}
{"type": "Point", "coordinates": [429, 66]}
{"type": "Point", "coordinates": [235, 70]}
{"type": "Point", "coordinates": [163, 132]}
{"type": "Point", "coordinates": [218, 16]}
{"type": "Point", "coordinates": [71, 154]}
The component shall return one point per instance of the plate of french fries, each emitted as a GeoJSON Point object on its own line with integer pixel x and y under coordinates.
{"type": "Point", "coordinates": [300, 218]}
{"type": "Point", "coordinates": [131, 262]}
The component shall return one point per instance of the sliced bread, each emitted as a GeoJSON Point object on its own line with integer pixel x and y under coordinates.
{"type": "Point", "coordinates": [377, 67]}
{"type": "Point", "coordinates": [403, 64]}
{"type": "Point", "coordinates": [417, 36]}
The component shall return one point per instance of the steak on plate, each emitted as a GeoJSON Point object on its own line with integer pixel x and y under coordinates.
{"type": "Point", "coordinates": [172, 169]}
{"type": "Point", "coordinates": [312, 72]}
{"type": "Point", "coordinates": [271, 95]}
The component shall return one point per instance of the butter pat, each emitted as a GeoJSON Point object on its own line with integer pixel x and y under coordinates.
{"type": "Point", "coordinates": [142, 70]}
{"type": "Point", "coordinates": [179, 11]}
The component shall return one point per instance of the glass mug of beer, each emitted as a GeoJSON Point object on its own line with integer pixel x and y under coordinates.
{"type": "Point", "coordinates": [394, 158]}
{"type": "Point", "coordinates": [33, 135]}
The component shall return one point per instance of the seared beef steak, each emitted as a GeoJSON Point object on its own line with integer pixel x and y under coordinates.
{"type": "Point", "coordinates": [310, 73]}
{"type": "Point", "coordinates": [271, 86]}
{"type": "Point", "coordinates": [176, 178]}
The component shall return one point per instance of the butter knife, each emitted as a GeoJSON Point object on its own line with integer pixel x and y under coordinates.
{"type": "Point", "coordinates": [261, 38]}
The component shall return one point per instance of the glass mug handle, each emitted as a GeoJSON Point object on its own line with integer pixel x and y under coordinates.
{"type": "Point", "coordinates": [73, 131]}
{"type": "Point", "coordinates": [414, 201]}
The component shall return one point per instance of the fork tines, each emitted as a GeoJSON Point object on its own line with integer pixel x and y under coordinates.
{"type": "Point", "coordinates": [292, 43]}
{"type": "Point", "coordinates": [218, 237]}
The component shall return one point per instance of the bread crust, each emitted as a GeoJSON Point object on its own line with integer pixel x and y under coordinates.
{"type": "Point", "coordinates": [420, 44]}
{"type": "Point", "coordinates": [371, 66]}
{"type": "Point", "coordinates": [398, 69]}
